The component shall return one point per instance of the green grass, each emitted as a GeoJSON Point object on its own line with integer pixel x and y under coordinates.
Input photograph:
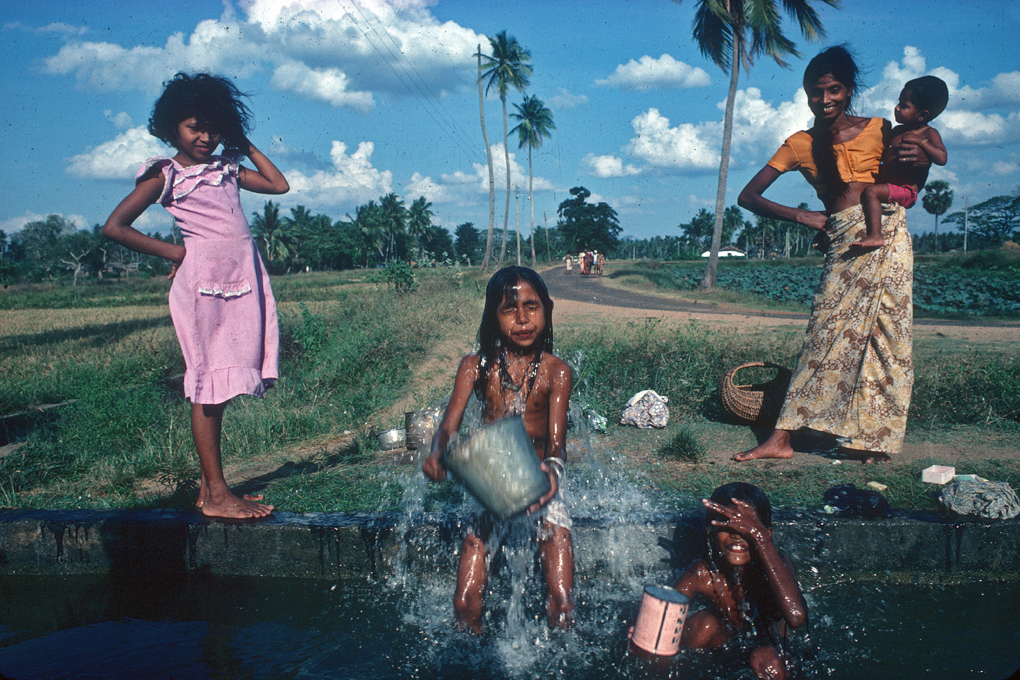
{"type": "Point", "coordinates": [348, 348]}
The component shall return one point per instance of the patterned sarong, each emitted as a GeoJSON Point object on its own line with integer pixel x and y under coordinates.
{"type": "Point", "coordinates": [855, 372]}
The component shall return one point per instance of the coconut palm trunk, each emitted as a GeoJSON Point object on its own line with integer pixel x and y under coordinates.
{"type": "Point", "coordinates": [708, 280]}
{"type": "Point", "coordinates": [506, 210]}
{"type": "Point", "coordinates": [492, 176]}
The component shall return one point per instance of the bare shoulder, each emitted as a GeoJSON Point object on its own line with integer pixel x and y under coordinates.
{"type": "Point", "coordinates": [697, 579]}
{"type": "Point", "coordinates": [555, 367]}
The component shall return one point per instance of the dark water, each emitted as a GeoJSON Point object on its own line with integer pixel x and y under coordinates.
{"type": "Point", "coordinates": [218, 627]}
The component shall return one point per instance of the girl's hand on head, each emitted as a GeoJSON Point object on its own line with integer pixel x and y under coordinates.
{"type": "Point", "coordinates": [740, 518]}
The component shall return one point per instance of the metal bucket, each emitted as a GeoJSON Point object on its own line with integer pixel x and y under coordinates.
{"type": "Point", "coordinates": [421, 426]}
{"type": "Point", "coordinates": [660, 621]}
{"type": "Point", "coordinates": [392, 439]}
{"type": "Point", "coordinates": [498, 465]}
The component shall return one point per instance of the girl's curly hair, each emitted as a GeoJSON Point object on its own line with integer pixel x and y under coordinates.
{"type": "Point", "coordinates": [213, 100]}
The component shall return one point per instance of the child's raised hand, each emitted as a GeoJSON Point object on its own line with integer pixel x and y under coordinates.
{"type": "Point", "coordinates": [741, 518]}
{"type": "Point", "coordinates": [433, 468]}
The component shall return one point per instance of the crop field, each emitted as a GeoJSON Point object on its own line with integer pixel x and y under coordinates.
{"type": "Point", "coordinates": [938, 290]}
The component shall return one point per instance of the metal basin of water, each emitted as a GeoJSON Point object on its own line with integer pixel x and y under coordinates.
{"type": "Point", "coordinates": [227, 627]}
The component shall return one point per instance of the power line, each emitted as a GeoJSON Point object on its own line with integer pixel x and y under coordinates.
{"type": "Point", "coordinates": [427, 100]}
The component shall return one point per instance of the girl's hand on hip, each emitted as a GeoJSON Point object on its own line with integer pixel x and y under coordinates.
{"type": "Point", "coordinates": [176, 263]}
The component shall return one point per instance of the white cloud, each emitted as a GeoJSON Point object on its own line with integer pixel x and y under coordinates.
{"type": "Point", "coordinates": [396, 47]}
{"type": "Point", "coordinates": [662, 73]}
{"type": "Point", "coordinates": [121, 121]}
{"type": "Point", "coordinates": [329, 85]}
{"type": "Point", "coordinates": [968, 119]}
{"type": "Point", "coordinates": [62, 28]}
{"type": "Point", "coordinates": [434, 192]}
{"type": "Point", "coordinates": [118, 158]}
{"type": "Point", "coordinates": [13, 225]}
{"type": "Point", "coordinates": [609, 166]}
{"type": "Point", "coordinates": [352, 179]}
{"type": "Point", "coordinates": [565, 101]}
{"type": "Point", "coordinates": [686, 146]}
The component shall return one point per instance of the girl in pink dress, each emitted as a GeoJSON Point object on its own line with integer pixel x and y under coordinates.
{"type": "Point", "coordinates": [221, 303]}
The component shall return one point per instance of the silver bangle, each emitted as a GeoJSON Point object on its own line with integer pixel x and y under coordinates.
{"type": "Point", "coordinates": [555, 464]}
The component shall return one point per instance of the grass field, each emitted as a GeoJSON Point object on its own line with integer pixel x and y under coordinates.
{"type": "Point", "coordinates": [352, 350]}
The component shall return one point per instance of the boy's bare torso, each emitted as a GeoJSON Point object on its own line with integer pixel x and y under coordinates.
{"type": "Point", "coordinates": [901, 173]}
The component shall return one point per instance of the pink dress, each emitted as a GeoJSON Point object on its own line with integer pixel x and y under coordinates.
{"type": "Point", "coordinates": [221, 303]}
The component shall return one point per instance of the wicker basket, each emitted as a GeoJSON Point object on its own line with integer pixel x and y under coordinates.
{"type": "Point", "coordinates": [755, 404]}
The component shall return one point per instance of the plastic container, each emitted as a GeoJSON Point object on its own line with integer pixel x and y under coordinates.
{"type": "Point", "coordinates": [660, 621]}
{"type": "Point", "coordinates": [938, 474]}
{"type": "Point", "coordinates": [498, 465]}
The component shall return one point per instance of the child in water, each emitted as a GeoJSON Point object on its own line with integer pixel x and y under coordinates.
{"type": "Point", "coordinates": [221, 303]}
{"type": "Point", "coordinates": [749, 586]}
{"type": "Point", "coordinates": [921, 101]}
{"type": "Point", "coordinates": [514, 373]}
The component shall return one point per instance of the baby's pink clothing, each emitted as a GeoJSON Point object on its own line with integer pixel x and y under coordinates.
{"type": "Point", "coordinates": [221, 303]}
{"type": "Point", "coordinates": [904, 194]}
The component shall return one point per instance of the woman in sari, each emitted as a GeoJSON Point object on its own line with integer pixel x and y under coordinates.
{"type": "Point", "coordinates": [855, 373]}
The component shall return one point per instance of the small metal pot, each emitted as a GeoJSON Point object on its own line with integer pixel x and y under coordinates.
{"type": "Point", "coordinates": [393, 439]}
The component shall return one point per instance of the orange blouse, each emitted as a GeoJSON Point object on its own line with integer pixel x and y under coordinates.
{"type": "Point", "coordinates": [858, 160]}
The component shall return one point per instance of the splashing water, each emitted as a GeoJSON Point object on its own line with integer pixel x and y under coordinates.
{"type": "Point", "coordinates": [518, 641]}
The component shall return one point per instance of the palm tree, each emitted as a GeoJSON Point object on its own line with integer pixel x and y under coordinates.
{"type": "Point", "coordinates": [419, 222]}
{"type": "Point", "coordinates": [488, 157]}
{"type": "Point", "coordinates": [536, 123]}
{"type": "Point", "coordinates": [508, 67]}
{"type": "Point", "coordinates": [734, 32]}
{"type": "Point", "coordinates": [367, 220]}
{"type": "Point", "coordinates": [394, 219]}
{"type": "Point", "coordinates": [937, 199]}
{"type": "Point", "coordinates": [268, 228]}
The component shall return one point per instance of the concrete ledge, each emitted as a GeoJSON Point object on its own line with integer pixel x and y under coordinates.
{"type": "Point", "coordinates": [341, 545]}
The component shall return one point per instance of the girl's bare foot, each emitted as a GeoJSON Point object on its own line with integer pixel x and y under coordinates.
{"type": "Point", "coordinates": [869, 242]}
{"type": "Point", "coordinates": [234, 507]}
{"type": "Point", "coordinates": [776, 446]}
{"type": "Point", "coordinates": [203, 493]}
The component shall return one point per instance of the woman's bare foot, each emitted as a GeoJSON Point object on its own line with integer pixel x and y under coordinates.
{"type": "Point", "coordinates": [776, 446]}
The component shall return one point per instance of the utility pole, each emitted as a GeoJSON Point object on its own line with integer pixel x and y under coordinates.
{"type": "Point", "coordinates": [966, 214]}
{"type": "Point", "coordinates": [517, 209]}
{"type": "Point", "coordinates": [548, 252]}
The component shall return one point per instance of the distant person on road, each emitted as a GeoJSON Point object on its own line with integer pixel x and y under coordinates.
{"type": "Point", "coordinates": [569, 262]}
{"type": "Point", "coordinates": [515, 373]}
{"type": "Point", "coordinates": [221, 302]}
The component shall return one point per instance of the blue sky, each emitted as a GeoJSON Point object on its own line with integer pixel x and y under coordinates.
{"type": "Point", "coordinates": [355, 100]}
